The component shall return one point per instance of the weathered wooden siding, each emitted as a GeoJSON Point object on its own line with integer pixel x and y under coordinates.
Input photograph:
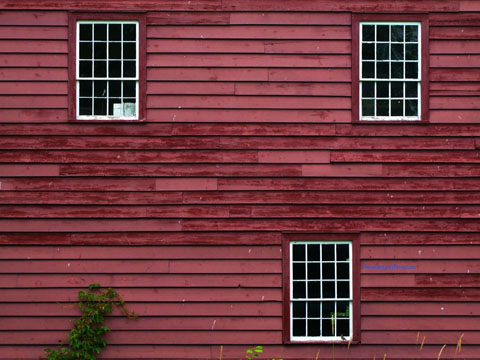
{"type": "Point", "coordinates": [248, 134]}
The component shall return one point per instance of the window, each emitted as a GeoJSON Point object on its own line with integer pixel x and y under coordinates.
{"type": "Point", "coordinates": [108, 68]}
{"type": "Point", "coordinates": [389, 81]}
{"type": "Point", "coordinates": [320, 289]}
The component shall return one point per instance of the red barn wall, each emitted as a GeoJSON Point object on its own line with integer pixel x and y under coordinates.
{"type": "Point", "coordinates": [248, 135]}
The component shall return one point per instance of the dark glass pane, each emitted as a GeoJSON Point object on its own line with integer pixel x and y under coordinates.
{"type": "Point", "coordinates": [129, 69]}
{"type": "Point", "coordinates": [382, 70]}
{"type": "Point", "coordinates": [298, 250]}
{"type": "Point", "coordinates": [299, 309]}
{"type": "Point", "coordinates": [342, 252]}
{"type": "Point", "coordinates": [314, 309]}
{"type": "Point", "coordinates": [382, 108]}
{"type": "Point", "coordinates": [100, 69]}
{"type": "Point", "coordinates": [343, 327]}
{"type": "Point", "coordinates": [328, 270]}
{"type": "Point", "coordinates": [328, 309]}
{"type": "Point", "coordinates": [368, 108]}
{"type": "Point", "coordinates": [129, 32]}
{"type": "Point", "coordinates": [115, 50]}
{"type": "Point", "coordinates": [411, 33]}
{"type": "Point", "coordinates": [383, 33]}
{"type": "Point", "coordinates": [314, 271]}
{"type": "Point", "coordinates": [100, 107]}
{"type": "Point", "coordinates": [343, 271]}
{"type": "Point", "coordinates": [368, 32]}
{"type": "Point", "coordinates": [100, 88]}
{"type": "Point", "coordinates": [100, 51]}
{"type": "Point", "coordinates": [412, 51]}
{"type": "Point", "coordinates": [382, 89]}
{"type": "Point", "coordinates": [100, 32]}
{"type": "Point", "coordinates": [313, 327]}
{"type": "Point", "coordinates": [327, 327]}
{"type": "Point", "coordinates": [115, 32]}
{"type": "Point", "coordinates": [411, 70]}
{"type": "Point", "coordinates": [368, 51]}
{"type": "Point", "coordinates": [86, 88]}
{"type": "Point", "coordinates": [85, 32]}
{"type": "Point", "coordinates": [85, 69]}
{"type": "Point", "coordinates": [343, 309]}
{"type": "Point", "coordinates": [111, 107]}
{"type": "Point", "coordinates": [328, 289]}
{"type": "Point", "coordinates": [313, 252]}
{"type": "Point", "coordinates": [382, 52]}
{"type": "Point", "coordinates": [411, 108]}
{"type": "Point", "coordinates": [299, 271]}
{"type": "Point", "coordinates": [299, 290]}
{"type": "Point", "coordinates": [411, 89]}
{"type": "Point", "coordinates": [397, 70]}
{"type": "Point", "coordinates": [368, 69]}
{"type": "Point", "coordinates": [397, 32]}
{"type": "Point", "coordinates": [85, 50]}
{"type": "Point", "coordinates": [85, 107]}
{"type": "Point", "coordinates": [343, 289]}
{"type": "Point", "coordinates": [397, 88]}
{"type": "Point", "coordinates": [397, 107]}
{"type": "Point", "coordinates": [129, 51]}
{"type": "Point", "coordinates": [368, 89]}
{"type": "Point", "coordinates": [114, 88]}
{"type": "Point", "coordinates": [130, 89]}
{"type": "Point", "coordinates": [397, 52]}
{"type": "Point", "coordinates": [328, 252]}
{"type": "Point", "coordinates": [114, 69]}
{"type": "Point", "coordinates": [299, 328]}
{"type": "Point", "coordinates": [314, 289]}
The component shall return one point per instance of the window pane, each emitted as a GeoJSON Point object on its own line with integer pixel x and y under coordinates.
{"type": "Point", "coordinates": [299, 290]}
{"type": "Point", "coordinates": [299, 328]}
{"type": "Point", "coordinates": [100, 69]}
{"type": "Point", "coordinates": [383, 33]}
{"type": "Point", "coordinates": [299, 309]}
{"type": "Point", "coordinates": [397, 107]}
{"type": "Point", "coordinates": [343, 327]}
{"type": "Point", "coordinates": [314, 309]}
{"type": "Point", "coordinates": [85, 32]}
{"type": "Point", "coordinates": [313, 290]}
{"type": "Point", "coordinates": [382, 70]}
{"type": "Point", "coordinates": [397, 88]}
{"type": "Point", "coordinates": [343, 271]}
{"type": "Point", "coordinates": [412, 51]}
{"type": "Point", "coordinates": [85, 50]}
{"type": "Point", "coordinates": [328, 289]}
{"type": "Point", "coordinates": [115, 88]}
{"type": "Point", "coordinates": [115, 110]}
{"type": "Point", "coordinates": [342, 252]}
{"type": "Point", "coordinates": [86, 88]}
{"type": "Point", "coordinates": [314, 271]}
{"type": "Point", "coordinates": [313, 327]}
{"type": "Point", "coordinates": [368, 89]}
{"type": "Point", "coordinates": [100, 107]}
{"type": "Point", "coordinates": [382, 52]}
{"type": "Point", "coordinates": [299, 271]}
{"type": "Point", "coordinates": [397, 32]}
{"type": "Point", "coordinates": [368, 32]}
{"type": "Point", "coordinates": [382, 89]}
{"type": "Point", "coordinates": [368, 51]}
{"type": "Point", "coordinates": [129, 51]}
{"type": "Point", "coordinates": [129, 69]}
{"type": "Point", "coordinates": [368, 69]}
{"type": "Point", "coordinates": [327, 327]}
{"type": "Point", "coordinates": [411, 33]}
{"type": "Point", "coordinates": [114, 69]}
{"type": "Point", "coordinates": [397, 52]}
{"type": "Point", "coordinates": [411, 70]}
{"type": "Point", "coordinates": [85, 107]}
{"type": "Point", "coordinates": [100, 88]}
{"type": "Point", "coordinates": [328, 309]}
{"type": "Point", "coordinates": [411, 89]}
{"type": "Point", "coordinates": [129, 90]}
{"type": "Point", "coordinates": [397, 70]}
{"type": "Point", "coordinates": [343, 309]}
{"type": "Point", "coordinates": [100, 31]}
{"type": "Point", "coordinates": [368, 107]}
{"type": "Point", "coordinates": [313, 252]}
{"type": "Point", "coordinates": [100, 51]}
{"type": "Point", "coordinates": [382, 108]}
{"type": "Point", "coordinates": [115, 32]}
{"type": "Point", "coordinates": [328, 252]}
{"type": "Point", "coordinates": [129, 32]}
{"type": "Point", "coordinates": [411, 107]}
{"type": "Point", "coordinates": [85, 69]}
{"type": "Point", "coordinates": [298, 252]}
{"type": "Point", "coordinates": [328, 270]}
{"type": "Point", "coordinates": [115, 50]}
{"type": "Point", "coordinates": [343, 290]}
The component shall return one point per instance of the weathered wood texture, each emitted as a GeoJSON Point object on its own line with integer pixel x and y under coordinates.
{"type": "Point", "coordinates": [248, 134]}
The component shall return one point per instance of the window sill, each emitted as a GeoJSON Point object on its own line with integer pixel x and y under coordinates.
{"type": "Point", "coordinates": [108, 121]}
{"type": "Point", "coordinates": [320, 342]}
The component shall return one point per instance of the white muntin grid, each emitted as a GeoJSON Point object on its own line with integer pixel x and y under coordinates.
{"type": "Point", "coordinates": [321, 300]}
{"type": "Point", "coordinates": [403, 81]}
{"type": "Point", "coordinates": [122, 79]}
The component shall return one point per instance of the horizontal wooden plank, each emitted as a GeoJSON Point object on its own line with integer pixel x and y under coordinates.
{"type": "Point", "coordinates": [294, 157]}
{"type": "Point", "coordinates": [419, 252]}
{"type": "Point", "coordinates": [207, 74]}
{"type": "Point", "coordinates": [454, 19]}
{"type": "Point", "coordinates": [308, 47]}
{"type": "Point", "coordinates": [246, 102]}
{"type": "Point", "coordinates": [458, 266]}
{"type": "Point", "coordinates": [33, 74]}
{"type": "Point", "coordinates": [187, 18]}
{"type": "Point", "coordinates": [289, 18]}
{"type": "Point", "coordinates": [59, 184]}
{"type": "Point", "coordinates": [185, 184]}
{"type": "Point", "coordinates": [250, 32]}
{"type": "Point", "coordinates": [32, 115]}
{"type": "Point", "coordinates": [204, 46]}
{"type": "Point", "coordinates": [409, 337]}
{"type": "Point", "coordinates": [309, 75]}
{"type": "Point", "coordinates": [418, 295]}
{"type": "Point", "coordinates": [263, 308]}
{"type": "Point", "coordinates": [33, 102]}
{"type": "Point", "coordinates": [309, 89]}
{"type": "Point", "coordinates": [33, 18]}
{"type": "Point", "coordinates": [37, 61]}
{"type": "Point", "coordinates": [145, 281]}
{"type": "Point", "coordinates": [454, 75]}
{"type": "Point", "coordinates": [422, 170]}
{"type": "Point", "coordinates": [343, 170]}
{"type": "Point", "coordinates": [141, 252]}
{"type": "Point", "coordinates": [469, 5]}
{"type": "Point", "coordinates": [36, 47]}
{"type": "Point", "coordinates": [419, 323]}
{"type": "Point", "coordinates": [405, 156]}
{"type": "Point", "coordinates": [455, 47]}
{"type": "Point", "coordinates": [147, 295]}
{"type": "Point", "coordinates": [29, 170]}
{"type": "Point", "coordinates": [189, 88]}
{"type": "Point", "coordinates": [151, 324]}
{"type": "Point", "coordinates": [34, 32]}
{"type": "Point", "coordinates": [455, 61]}
{"type": "Point", "coordinates": [450, 102]}
{"type": "Point", "coordinates": [414, 280]}
{"type": "Point", "coordinates": [33, 88]}
{"type": "Point", "coordinates": [247, 60]}
{"type": "Point", "coordinates": [424, 238]}
{"type": "Point", "coordinates": [455, 87]}
{"type": "Point", "coordinates": [363, 130]}
{"type": "Point", "coordinates": [454, 116]}
{"type": "Point", "coordinates": [424, 308]}
{"type": "Point", "coordinates": [455, 32]}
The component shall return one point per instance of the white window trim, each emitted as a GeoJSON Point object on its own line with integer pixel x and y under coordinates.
{"type": "Point", "coordinates": [77, 71]}
{"type": "Point", "coordinates": [419, 80]}
{"type": "Point", "coordinates": [350, 299]}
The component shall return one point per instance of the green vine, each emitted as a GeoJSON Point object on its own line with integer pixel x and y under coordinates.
{"type": "Point", "coordinates": [85, 339]}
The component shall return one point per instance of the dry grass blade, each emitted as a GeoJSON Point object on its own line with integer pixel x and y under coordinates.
{"type": "Point", "coordinates": [441, 350]}
{"type": "Point", "coordinates": [221, 351]}
{"type": "Point", "coordinates": [318, 353]}
{"type": "Point", "coordinates": [459, 345]}
{"type": "Point", "coordinates": [384, 356]}
{"type": "Point", "coordinates": [423, 342]}
{"type": "Point", "coordinates": [418, 336]}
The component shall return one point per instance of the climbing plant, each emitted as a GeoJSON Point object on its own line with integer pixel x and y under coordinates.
{"type": "Point", "coordinates": [85, 340]}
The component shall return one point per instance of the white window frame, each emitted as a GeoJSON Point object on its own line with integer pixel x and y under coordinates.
{"type": "Point", "coordinates": [389, 79]}
{"type": "Point", "coordinates": [93, 78]}
{"type": "Point", "coordinates": [321, 299]}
